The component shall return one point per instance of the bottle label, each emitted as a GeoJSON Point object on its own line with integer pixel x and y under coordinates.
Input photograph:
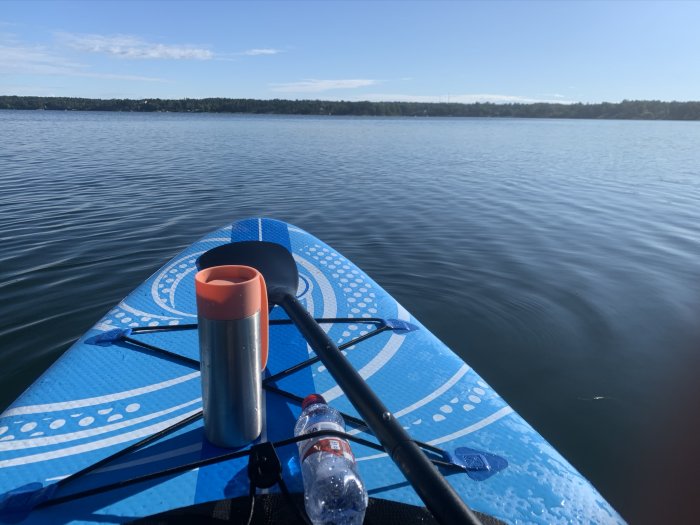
{"type": "Point", "coordinates": [331, 445]}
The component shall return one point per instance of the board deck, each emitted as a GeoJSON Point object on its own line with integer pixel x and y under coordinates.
{"type": "Point", "coordinates": [99, 398]}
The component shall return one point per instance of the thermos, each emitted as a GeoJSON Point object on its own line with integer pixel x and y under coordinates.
{"type": "Point", "coordinates": [233, 343]}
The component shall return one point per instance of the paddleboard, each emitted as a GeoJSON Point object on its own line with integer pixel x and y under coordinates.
{"type": "Point", "coordinates": [107, 393]}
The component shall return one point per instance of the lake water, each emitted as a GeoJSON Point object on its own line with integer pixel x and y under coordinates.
{"type": "Point", "coordinates": [560, 258]}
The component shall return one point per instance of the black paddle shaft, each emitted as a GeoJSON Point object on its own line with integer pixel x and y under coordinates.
{"type": "Point", "coordinates": [437, 494]}
{"type": "Point", "coordinates": [279, 269]}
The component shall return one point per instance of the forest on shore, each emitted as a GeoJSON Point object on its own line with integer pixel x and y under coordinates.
{"type": "Point", "coordinates": [627, 109]}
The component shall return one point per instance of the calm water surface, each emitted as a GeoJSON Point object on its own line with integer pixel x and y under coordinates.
{"type": "Point", "coordinates": [561, 259]}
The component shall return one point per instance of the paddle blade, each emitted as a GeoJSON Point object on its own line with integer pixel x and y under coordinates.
{"type": "Point", "coordinates": [272, 260]}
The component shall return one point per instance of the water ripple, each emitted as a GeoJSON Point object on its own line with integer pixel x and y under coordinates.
{"type": "Point", "coordinates": [561, 258]}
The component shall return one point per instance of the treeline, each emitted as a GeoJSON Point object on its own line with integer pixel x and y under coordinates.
{"type": "Point", "coordinates": [627, 109]}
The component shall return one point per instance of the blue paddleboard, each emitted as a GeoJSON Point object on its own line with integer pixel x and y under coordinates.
{"type": "Point", "coordinates": [113, 388]}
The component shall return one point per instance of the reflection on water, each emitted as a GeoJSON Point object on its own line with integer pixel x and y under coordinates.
{"type": "Point", "coordinates": [561, 259]}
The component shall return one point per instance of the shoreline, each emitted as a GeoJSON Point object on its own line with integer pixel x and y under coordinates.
{"type": "Point", "coordinates": [625, 110]}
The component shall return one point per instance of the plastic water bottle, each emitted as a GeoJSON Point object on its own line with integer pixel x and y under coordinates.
{"type": "Point", "coordinates": [333, 491]}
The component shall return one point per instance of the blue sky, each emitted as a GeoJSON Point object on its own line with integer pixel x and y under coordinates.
{"type": "Point", "coordinates": [426, 51]}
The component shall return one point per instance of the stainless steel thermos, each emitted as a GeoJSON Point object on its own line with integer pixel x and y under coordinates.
{"type": "Point", "coordinates": [233, 343]}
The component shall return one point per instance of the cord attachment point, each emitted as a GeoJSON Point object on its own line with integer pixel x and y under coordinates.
{"type": "Point", "coordinates": [479, 465]}
{"type": "Point", "coordinates": [264, 465]}
{"type": "Point", "coordinates": [400, 326]}
{"type": "Point", "coordinates": [109, 337]}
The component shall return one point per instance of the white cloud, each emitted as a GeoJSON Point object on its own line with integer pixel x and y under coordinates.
{"type": "Point", "coordinates": [261, 51]}
{"type": "Point", "coordinates": [463, 99]}
{"type": "Point", "coordinates": [37, 60]}
{"type": "Point", "coordinates": [317, 86]}
{"type": "Point", "coordinates": [129, 46]}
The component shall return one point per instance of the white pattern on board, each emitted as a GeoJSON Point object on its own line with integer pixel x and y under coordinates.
{"type": "Point", "coordinates": [474, 427]}
{"type": "Point", "coordinates": [309, 296]}
{"type": "Point", "coordinates": [63, 438]}
{"type": "Point", "coordinates": [330, 307]}
{"type": "Point", "coordinates": [140, 313]}
{"type": "Point", "coordinates": [463, 432]}
{"type": "Point", "coordinates": [175, 284]}
{"type": "Point", "coordinates": [175, 268]}
{"type": "Point", "coordinates": [99, 400]}
{"type": "Point", "coordinates": [378, 361]}
{"type": "Point", "coordinates": [156, 286]}
{"type": "Point", "coordinates": [427, 399]}
{"type": "Point", "coordinates": [95, 445]}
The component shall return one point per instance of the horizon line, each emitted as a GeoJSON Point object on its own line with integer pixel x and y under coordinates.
{"type": "Point", "coordinates": [396, 101]}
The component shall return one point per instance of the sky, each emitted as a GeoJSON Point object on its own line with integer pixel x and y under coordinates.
{"type": "Point", "coordinates": [456, 51]}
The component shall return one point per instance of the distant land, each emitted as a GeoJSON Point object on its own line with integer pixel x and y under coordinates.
{"type": "Point", "coordinates": [627, 109]}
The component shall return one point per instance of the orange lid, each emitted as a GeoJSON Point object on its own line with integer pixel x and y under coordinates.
{"type": "Point", "coordinates": [226, 293]}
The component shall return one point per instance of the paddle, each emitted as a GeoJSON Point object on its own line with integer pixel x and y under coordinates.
{"type": "Point", "coordinates": [279, 269]}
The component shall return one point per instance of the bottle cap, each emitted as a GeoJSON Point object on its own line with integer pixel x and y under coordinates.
{"type": "Point", "coordinates": [312, 399]}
